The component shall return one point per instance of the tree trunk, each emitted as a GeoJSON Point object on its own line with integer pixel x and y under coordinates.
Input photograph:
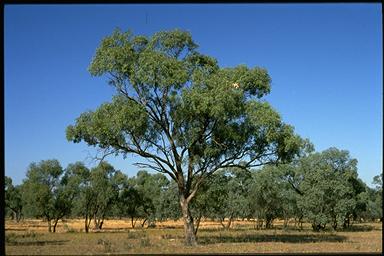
{"type": "Point", "coordinates": [189, 231]}
{"type": "Point", "coordinates": [286, 222]}
{"type": "Point", "coordinates": [222, 222]}
{"type": "Point", "coordinates": [133, 223]}
{"type": "Point", "coordinates": [101, 224]}
{"type": "Point", "coordinates": [142, 224]}
{"type": "Point", "coordinates": [98, 222]}
{"type": "Point", "coordinates": [95, 222]}
{"type": "Point", "coordinates": [54, 225]}
{"type": "Point", "coordinates": [267, 222]}
{"type": "Point", "coordinates": [229, 222]}
{"type": "Point", "coordinates": [49, 226]}
{"type": "Point", "coordinates": [86, 224]}
{"type": "Point", "coordinates": [18, 216]}
{"type": "Point", "coordinates": [198, 223]}
{"type": "Point", "coordinates": [259, 223]}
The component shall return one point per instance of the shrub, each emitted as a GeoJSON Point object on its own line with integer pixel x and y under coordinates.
{"type": "Point", "coordinates": [106, 243]}
{"type": "Point", "coordinates": [145, 242]}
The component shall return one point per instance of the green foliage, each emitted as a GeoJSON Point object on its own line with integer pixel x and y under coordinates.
{"type": "Point", "coordinates": [141, 196]}
{"type": "Point", "coordinates": [171, 98]}
{"type": "Point", "coordinates": [371, 201]}
{"type": "Point", "coordinates": [328, 188]}
{"type": "Point", "coordinates": [270, 196]}
{"type": "Point", "coordinates": [48, 192]}
{"type": "Point", "coordinates": [179, 110]}
{"type": "Point", "coordinates": [378, 181]}
{"type": "Point", "coordinates": [41, 188]}
{"type": "Point", "coordinates": [168, 206]}
{"type": "Point", "coordinates": [99, 190]}
{"type": "Point", "coordinates": [12, 198]}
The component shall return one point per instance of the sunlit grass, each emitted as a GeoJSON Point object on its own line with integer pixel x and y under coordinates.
{"type": "Point", "coordinates": [31, 237]}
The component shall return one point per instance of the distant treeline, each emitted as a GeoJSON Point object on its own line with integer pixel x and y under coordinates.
{"type": "Point", "coordinates": [320, 188]}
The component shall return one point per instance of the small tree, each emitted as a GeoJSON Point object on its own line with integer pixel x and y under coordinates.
{"type": "Point", "coordinates": [149, 186]}
{"type": "Point", "coordinates": [212, 200]}
{"type": "Point", "coordinates": [168, 206]}
{"type": "Point", "coordinates": [13, 199]}
{"type": "Point", "coordinates": [46, 194]}
{"type": "Point", "coordinates": [129, 201]}
{"type": "Point", "coordinates": [104, 188]}
{"type": "Point", "coordinates": [378, 202]}
{"type": "Point", "coordinates": [265, 196]}
{"type": "Point", "coordinates": [80, 174]}
{"type": "Point", "coordinates": [328, 195]}
{"type": "Point", "coordinates": [182, 113]}
{"type": "Point", "coordinates": [98, 192]}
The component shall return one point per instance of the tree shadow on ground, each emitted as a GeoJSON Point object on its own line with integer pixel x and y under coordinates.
{"type": "Point", "coordinates": [248, 228]}
{"type": "Point", "coordinates": [16, 229]}
{"type": "Point", "coordinates": [359, 228]}
{"type": "Point", "coordinates": [38, 243]}
{"type": "Point", "coordinates": [284, 238]}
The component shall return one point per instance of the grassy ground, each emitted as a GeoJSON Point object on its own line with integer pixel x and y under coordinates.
{"type": "Point", "coordinates": [31, 237]}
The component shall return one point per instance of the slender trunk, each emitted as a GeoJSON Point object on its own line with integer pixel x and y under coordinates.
{"type": "Point", "coordinates": [54, 225]}
{"type": "Point", "coordinates": [18, 216]}
{"type": "Point", "coordinates": [145, 220]}
{"type": "Point", "coordinates": [189, 231]}
{"type": "Point", "coordinates": [49, 225]}
{"type": "Point", "coordinates": [95, 224]}
{"type": "Point", "coordinates": [222, 222]}
{"type": "Point", "coordinates": [89, 222]}
{"type": "Point", "coordinates": [268, 222]}
{"type": "Point", "coordinates": [229, 222]}
{"type": "Point", "coordinates": [198, 223]}
{"type": "Point", "coordinates": [85, 224]}
{"type": "Point", "coordinates": [101, 224]}
{"type": "Point", "coordinates": [286, 220]}
{"type": "Point", "coordinates": [133, 224]}
{"type": "Point", "coordinates": [259, 223]}
{"type": "Point", "coordinates": [301, 222]}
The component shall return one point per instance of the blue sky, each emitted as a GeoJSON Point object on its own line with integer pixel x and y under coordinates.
{"type": "Point", "coordinates": [325, 61]}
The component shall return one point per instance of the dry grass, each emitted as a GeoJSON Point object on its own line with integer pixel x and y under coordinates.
{"type": "Point", "coordinates": [31, 237]}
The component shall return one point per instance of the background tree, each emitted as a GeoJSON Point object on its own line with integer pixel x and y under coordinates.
{"type": "Point", "coordinates": [99, 190]}
{"type": "Point", "coordinates": [128, 203]}
{"type": "Point", "coordinates": [212, 200]}
{"type": "Point", "coordinates": [378, 197]}
{"type": "Point", "coordinates": [227, 196]}
{"type": "Point", "coordinates": [85, 196]}
{"type": "Point", "coordinates": [104, 189]}
{"type": "Point", "coordinates": [328, 194]}
{"type": "Point", "coordinates": [265, 197]}
{"type": "Point", "coordinates": [168, 207]}
{"type": "Point", "coordinates": [13, 201]}
{"type": "Point", "coordinates": [46, 194]}
{"type": "Point", "coordinates": [150, 187]}
{"type": "Point", "coordinates": [182, 113]}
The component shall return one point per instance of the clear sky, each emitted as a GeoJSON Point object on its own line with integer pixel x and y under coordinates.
{"type": "Point", "coordinates": [325, 61]}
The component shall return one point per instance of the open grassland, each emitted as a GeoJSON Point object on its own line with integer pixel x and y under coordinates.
{"type": "Point", "coordinates": [31, 237]}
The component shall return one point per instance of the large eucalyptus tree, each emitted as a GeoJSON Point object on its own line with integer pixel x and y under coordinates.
{"type": "Point", "coordinates": [181, 113]}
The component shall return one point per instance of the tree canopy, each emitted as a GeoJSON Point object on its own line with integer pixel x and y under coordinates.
{"type": "Point", "coordinates": [182, 112]}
